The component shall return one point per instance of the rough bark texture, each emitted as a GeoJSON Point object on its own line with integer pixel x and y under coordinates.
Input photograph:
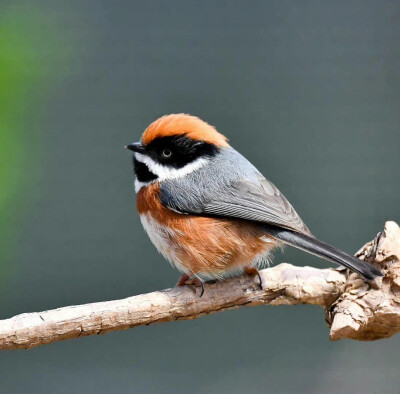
{"type": "Point", "coordinates": [369, 311]}
{"type": "Point", "coordinates": [355, 309]}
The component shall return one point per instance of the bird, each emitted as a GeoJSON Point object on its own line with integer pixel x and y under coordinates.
{"type": "Point", "coordinates": [209, 211]}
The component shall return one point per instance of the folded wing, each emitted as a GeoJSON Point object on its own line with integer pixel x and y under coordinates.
{"type": "Point", "coordinates": [231, 187]}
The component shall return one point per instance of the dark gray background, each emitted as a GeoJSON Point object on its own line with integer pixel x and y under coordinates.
{"type": "Point", "coordinates": [309, 91]}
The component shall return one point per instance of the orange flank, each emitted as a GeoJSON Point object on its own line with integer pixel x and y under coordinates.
{"type": "Point", "coordinates": [231, 244]}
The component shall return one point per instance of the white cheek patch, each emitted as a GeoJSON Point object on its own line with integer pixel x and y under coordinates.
{"type": "Point", "coordinates": [163, 172]}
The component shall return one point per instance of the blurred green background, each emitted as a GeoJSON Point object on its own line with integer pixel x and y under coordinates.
{"type": "Point", "coordinates": [309, 91]}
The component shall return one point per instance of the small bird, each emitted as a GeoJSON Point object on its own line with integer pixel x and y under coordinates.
{"type": "Point", "coordinates": [209, 211]}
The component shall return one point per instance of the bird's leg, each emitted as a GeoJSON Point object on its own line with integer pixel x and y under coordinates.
{"type": "Point", "coordinates": [253, 271]}
{"type": "Point", "coordinates": [185, 280]}
{"type": "Point", "coordinates": [182, 280]}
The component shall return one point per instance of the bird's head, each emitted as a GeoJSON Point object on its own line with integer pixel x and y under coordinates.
{"type": "Point", "coordinates": [174, 146]}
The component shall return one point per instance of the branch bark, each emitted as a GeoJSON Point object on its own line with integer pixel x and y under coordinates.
{"type": "Point", "coordinates": [354, 309]}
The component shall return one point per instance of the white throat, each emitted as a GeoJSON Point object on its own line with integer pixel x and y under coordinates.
{"type": "Point", "coordinates": [163, 172]}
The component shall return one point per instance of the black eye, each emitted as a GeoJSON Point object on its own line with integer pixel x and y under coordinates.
{"type": "Point", "coordinates": [166, 153]}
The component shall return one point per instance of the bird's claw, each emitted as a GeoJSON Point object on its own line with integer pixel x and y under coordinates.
{"type": "Point", "coordinates": [252, 271]}
{"type": "Point", "coordinates": [185, 280]}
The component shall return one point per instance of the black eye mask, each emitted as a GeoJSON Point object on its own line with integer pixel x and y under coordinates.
{"type": "Point", "coordinates": [182, 150]}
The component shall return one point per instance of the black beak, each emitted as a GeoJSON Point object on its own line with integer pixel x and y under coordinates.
{"type": "Point", "coordinates": [136, 147]}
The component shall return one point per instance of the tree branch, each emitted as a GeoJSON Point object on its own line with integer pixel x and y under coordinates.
{"type": "Point", "coordinates": [355, 309]}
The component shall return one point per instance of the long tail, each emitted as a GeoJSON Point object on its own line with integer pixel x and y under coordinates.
{"type": "Point", "coordinates": [321, 249]}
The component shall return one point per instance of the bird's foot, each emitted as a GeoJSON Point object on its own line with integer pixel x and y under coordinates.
{"type": "Point", "coordinates": [183, 280]}
{"type": "Point", "coordinates": [253, 271]}
{"type": "Point", "coordinates": [186, 280]}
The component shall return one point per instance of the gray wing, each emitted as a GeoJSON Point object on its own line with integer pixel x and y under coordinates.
{"type": "Point", "coordinates": [261, 202]}
{"type": "Point", "coordinates": [231, 187]}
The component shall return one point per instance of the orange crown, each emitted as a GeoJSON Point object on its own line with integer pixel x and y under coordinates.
{"type": "Point", "coordinates": [182, 124]}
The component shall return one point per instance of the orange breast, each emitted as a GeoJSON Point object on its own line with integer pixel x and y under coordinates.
{"type": "Point", "coordinates": [207, 247]}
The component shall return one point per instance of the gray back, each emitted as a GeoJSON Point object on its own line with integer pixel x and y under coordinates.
{"type": "Point", "coordinates": [230, 186]}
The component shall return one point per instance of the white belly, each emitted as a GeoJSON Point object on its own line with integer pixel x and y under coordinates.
{"type": "Point", "coordinates": [163, 239]}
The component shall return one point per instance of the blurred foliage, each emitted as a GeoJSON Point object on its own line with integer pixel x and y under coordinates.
{"type": "Point", "coordinates": [28, 53]}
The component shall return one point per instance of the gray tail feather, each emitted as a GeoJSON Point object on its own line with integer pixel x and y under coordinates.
{"type": "Point", "coordinates": [323, 250]}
